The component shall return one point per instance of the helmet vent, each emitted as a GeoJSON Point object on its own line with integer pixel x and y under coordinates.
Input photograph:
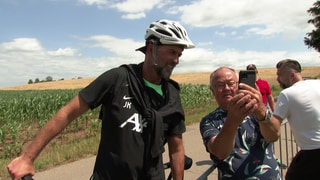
{"type": "Point", "coordinates": [176, 33]}
{"type": "Point", "coordinates": [163, 22]}
{"type": "Point", "coordinates": [163, 32]}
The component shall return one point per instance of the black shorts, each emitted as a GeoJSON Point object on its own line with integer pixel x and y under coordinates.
{"type": "Point", "coordinates": [305, 165]}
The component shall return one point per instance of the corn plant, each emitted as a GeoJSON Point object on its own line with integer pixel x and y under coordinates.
{"type": "Point", "coordinates": [23, 113]}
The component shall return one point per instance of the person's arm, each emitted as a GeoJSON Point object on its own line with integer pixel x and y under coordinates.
{"type": "Point", "coordinates": [271, 102]}
{"type": "Point", "coordinates": [223, 143]}
{"type": "Point", "coordinates": [270, 99]}
{"type": "Point", "coordinates": [23, 164]}
{"type": "Point", "coordinates": [270, 130]}
{"type": "Point", "coordinates": [176, 154]}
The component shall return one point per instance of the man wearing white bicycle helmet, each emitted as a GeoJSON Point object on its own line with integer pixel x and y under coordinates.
{"type": "Point", "coordinates": [140, 111]}
{"type": "Point", "coordinates": [167, 34]}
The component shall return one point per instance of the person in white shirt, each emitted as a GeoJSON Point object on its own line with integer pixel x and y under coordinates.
{"type": "Point", "coordinates": [299, 102]}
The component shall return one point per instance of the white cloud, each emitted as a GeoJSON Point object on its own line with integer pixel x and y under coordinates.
{"type": "Point", "coordinates": [135, 6]}
{"type": "Point", "coordinates": [68, 63]}
{"type": "Point", "coordinates": [206, 60]}
{"type": "Point", "coordinates": [98, 3]}
{"type": "Point", "coordinates": [22, 44]}
{"type": "Point", "coordinates": [23, 58]}
{"type": "Point", "coordinates": [64, 52]}
{"type": "Point", "coordinates": [208, 43]}
{"type": "Point", "coordinates": [134, 16]}
{"type": "Point", "coordinates": [132, 9]}
{"type": "Point", "coordinates": [263, 17]}
{"type": "Point", "coordinates": [116, 45]}
{"type": "Point", "coordinates": [37, 62]}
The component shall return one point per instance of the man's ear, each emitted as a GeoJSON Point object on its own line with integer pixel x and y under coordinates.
{"type": "Point", "coordinates": [212, 91]}
{"type": "Point", "coordinates": [292, 75]}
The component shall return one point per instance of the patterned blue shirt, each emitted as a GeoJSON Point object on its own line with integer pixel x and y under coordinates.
{"type": "Point", "coordinates": [251, 158]}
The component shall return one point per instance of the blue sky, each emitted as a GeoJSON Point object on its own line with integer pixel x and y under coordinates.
{"type": "Point", "coordinates": [83, 38]}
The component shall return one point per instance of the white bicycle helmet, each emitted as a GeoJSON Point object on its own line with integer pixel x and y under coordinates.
{"type": "Point", "coordinates": [169, 33]}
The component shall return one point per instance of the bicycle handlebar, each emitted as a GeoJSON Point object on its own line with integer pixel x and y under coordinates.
{"type": "Point", "coordinates": [187, 163]}
{"type": "Point", "coordinates": [27, 177]}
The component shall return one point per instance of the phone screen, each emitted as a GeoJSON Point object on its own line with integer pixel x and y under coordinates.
{"type": "Point", "coordinates": [248, 77]}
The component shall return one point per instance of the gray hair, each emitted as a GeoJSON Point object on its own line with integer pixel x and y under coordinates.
{"type": "Point", "coordinates": [212, 75]}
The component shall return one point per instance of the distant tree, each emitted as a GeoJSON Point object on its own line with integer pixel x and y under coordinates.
{"type": "Point", "coordinates": [30, 81]}
{"type": "Point", "coordinates": [36, 80]}
{"type": "Point", "coordinates": [313, 38]}
{"type": "Point", "coordinates": [48, 79]}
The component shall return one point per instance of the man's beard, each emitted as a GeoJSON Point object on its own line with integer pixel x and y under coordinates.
{"type": "Point", "coordinates": [159, 67]}
{"type": "Point", "coordinates": [162, 71]}
{"type": "Point", "coordinates": [283, 86]}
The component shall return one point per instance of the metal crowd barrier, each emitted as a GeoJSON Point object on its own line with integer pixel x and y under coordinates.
{"type": "Point", "coordinates": [285, 148]}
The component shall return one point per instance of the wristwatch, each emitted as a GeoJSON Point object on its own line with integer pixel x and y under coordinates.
{"type": "Point", "coordinates": [267, 118]}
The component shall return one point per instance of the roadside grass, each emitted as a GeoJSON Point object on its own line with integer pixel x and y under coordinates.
{"type": "Point", "coordinates": [65, 153]}
{"type": "Point", "coordinates": [55, 154]}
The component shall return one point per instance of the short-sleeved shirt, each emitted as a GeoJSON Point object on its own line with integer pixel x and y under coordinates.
{"type": "Point", "coordinates": [122, 144]}
{"type": "Point", "coordinates": [264, 89]}
{"type": "Point", "coordinates": [251, 158]}
{"type": "Point", "coordinates": [300, 104]}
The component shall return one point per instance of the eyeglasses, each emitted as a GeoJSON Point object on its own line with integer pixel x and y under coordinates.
{"type": "Point", "coordinates": [292, 64]}
{"type": "Point", "coordinates": [221, 85]}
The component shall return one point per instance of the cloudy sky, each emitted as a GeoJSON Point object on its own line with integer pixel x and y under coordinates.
{"type": "Point", "coordinates": [83, 38]}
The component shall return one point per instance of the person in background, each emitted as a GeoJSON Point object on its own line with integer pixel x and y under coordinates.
{"type": "Point", "coordinates": [141, 110]}
{"type": "Point", "coordinates": [240, 132]}
{"type": "Point", "coordinates": [264, 88]}
{"type": "Point", "coordinates": [299, 103]}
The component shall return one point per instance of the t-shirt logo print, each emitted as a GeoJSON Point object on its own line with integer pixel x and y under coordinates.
{"type": "Point", "coordinates": [137, 121]}
{"type": "Point", "coordinates": [127, 104]}
{"type": "Point", "coordinates": [125, 97]}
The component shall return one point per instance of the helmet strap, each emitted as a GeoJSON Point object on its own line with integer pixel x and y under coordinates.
{"type": "Point", "coordinates": [155, 51]}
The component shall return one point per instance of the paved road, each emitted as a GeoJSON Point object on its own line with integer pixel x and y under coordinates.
{"type": "Point", "coordinates": [82, 169]}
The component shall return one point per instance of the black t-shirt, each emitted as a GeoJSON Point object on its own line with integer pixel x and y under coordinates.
{"type": "Point", "coordinates": [121, 148]}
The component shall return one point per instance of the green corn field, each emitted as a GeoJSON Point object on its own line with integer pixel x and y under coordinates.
{"type": "Point", "coordinates": [24, 112]}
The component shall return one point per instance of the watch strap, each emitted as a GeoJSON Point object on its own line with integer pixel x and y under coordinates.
{"type": "Point", "coordinates": [267, 118]}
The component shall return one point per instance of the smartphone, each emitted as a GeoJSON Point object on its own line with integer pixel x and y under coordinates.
{"type": "Point", "coordinates": [248, 77]}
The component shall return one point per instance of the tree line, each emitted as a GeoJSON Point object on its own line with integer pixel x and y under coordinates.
{"type": "Point", "coordinates": [47, 79]}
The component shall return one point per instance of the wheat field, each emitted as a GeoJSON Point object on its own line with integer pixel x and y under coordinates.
{"type": "Point", "coordinates": [268, 74]}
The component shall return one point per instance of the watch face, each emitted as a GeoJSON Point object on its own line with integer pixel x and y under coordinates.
{"type": "Point", "coordinates": [268, 115]}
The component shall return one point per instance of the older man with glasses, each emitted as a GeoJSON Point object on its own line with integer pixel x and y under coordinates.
{"type": "Point", "coordinates": [240, 132]}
